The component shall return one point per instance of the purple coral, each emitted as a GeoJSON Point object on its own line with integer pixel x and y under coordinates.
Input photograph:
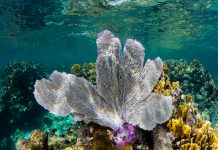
{"type": "Point", "coordinates": [123, 93]}
{"type": "Point", "coordinates": [124, 135]}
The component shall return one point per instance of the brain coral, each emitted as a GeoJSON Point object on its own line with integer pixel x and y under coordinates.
{"type": "Point", "coordinates": [123, 94]}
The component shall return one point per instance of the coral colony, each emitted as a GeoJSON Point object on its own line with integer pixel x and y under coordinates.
{"type": "Point", "coordinates": [123, 96]}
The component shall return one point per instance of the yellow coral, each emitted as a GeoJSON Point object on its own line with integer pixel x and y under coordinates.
{"type": "Point", "coordinates": [165, 68]}
{"type": "Point", "coordinates": [204, 137]}
{"type": "Point", "coordinates": [156, 91]}
{"type": "Point", "coordinates": [184, 110]}
{"type": "Point", "coordinates": [179, 129]}
{"type": "Point", "coordinates": [175, 123]}
{"type": "Point", "coordinates": [191, 133]}
{"type": "Point", "coordinates": [168, 82]}
{"type": "Point", "coordinates": [190, 146]}
{"type": "Point", "coordinates": [175, 84]}
{"type": "Point", "coordinates": [162, 84]}
{"type": "Point", "coordinates": [188, 98]}
{"type": "Point", "coordinates": [166, 92]}
{"type": "Point", "coordinates": [186, 130]}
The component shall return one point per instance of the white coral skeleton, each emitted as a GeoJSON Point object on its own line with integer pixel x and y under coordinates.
{"type": "Point", "coordinates": [123, 93]}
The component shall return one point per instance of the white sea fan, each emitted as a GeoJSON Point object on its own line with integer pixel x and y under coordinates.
{"type": "Point", "coordinates": [123, 93]}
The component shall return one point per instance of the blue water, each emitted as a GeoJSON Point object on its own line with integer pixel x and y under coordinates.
{"type": "Point", "coordinates": [171, 30]}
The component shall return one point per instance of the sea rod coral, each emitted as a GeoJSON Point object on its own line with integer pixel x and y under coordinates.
{"type": "Point", "coordinates": [123, 96]}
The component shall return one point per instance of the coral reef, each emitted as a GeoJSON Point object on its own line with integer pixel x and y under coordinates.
{"type": "Point", "coordinates": [197, 81]}
{"type": "Point", "coordinates": [86, 71]}
{"type": "Point", "coordinates": [190, 131]}
{"type": "Point", "coordinates": [16, 98]}
{"type": "Point", "coordinates": [185, 129]}
{"type": "Point", "coordinates": [81, 137]}
{"type": "Point", "coordinates": [40, 140]}
{"type": "Point", "coordinates": [199, 135]}
{"type": "Point", "coordinates": [16, 89]}
{"type": "Point", "coordinates": [124, 89]}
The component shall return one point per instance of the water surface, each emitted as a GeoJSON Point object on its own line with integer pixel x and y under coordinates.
{"type": "Point", "coordinates": [169, 29]}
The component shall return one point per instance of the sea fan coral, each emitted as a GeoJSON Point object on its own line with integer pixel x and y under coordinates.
{"type": "Point", "coordinates": [123, 94]}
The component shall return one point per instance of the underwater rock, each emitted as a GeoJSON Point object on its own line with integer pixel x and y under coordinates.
{"type": "Point", "coordinates": [163, 139]}
{"type": "Point", "coordinates": [101, 139]}
{"type": "Point", "coordinates": [116, 75]}
{"type": "Point", "coordinates": [56, 142]}
{"type": "Point", "coordinates": [38, 141]}
{"type": "Point", "coordinates": [23, 144]}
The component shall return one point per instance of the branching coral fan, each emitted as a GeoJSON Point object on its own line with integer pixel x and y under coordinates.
{"type": "Point", "coordinates": [123, 97]}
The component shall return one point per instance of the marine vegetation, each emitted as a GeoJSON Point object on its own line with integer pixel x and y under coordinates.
{"type": "Point", "coordinates": [16, 99]}
{"type": "Point", "coordinates": [17, 85]}
{"type": "Point", "coordinates": [86, 71]}
{"type": "Point", "coordinates": [123, 98]}
{"type": "Point", "coordinates": [197, 81]}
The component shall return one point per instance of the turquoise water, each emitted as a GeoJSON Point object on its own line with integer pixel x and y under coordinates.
{"type": "Point", "coordinates": [171, 30]}
{"type": "Point", "coordinates": [56, 35]}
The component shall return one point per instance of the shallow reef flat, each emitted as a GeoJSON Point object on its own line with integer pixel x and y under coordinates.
{"type": "Point", "coordinates": [172, 122]}
{"type": "Point", "coordinates": [185, 129]}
